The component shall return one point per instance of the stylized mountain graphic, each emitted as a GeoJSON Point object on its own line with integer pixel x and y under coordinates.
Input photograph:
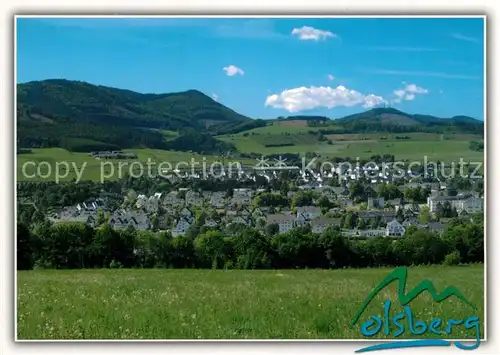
{"type": "Point", "coordinates": [400, 275]}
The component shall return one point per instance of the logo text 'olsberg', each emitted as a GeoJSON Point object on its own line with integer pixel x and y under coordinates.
{"type": "Point", "coordinates": [395, 326]}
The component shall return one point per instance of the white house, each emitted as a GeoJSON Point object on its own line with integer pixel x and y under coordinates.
{"type": "Point", "coordinates": [141, 201]}
{"type": "Point", "coordinates": [193, 198]}
{"type": "Point", "coordinates": [375, 202]}
{"type": "Point", "coordinates": [466, 203]}
{"type": "Point", "coordinates": [471, 205]}
{"type": "Point", "coordinates": [218, 199]}
{"type": "Point", "coordinates": [172, 199]}
{"type": "Point", "coordinates": [284, 222]}
{"type": "Point", "coordinates": [309, 212]}
{"type": "Point", "coordinates": [181, 228]}
{"type": "Point", "coordinates": [91, 205]}
{"type": "Point", "coordinates": [394, 229]}
{"type": "Point", "coordinates": [242, 197]}
{"type": "Point", "coordinates": [210, 223]}
{"type": "Point", "coordinates": [319, 225]}
{"type": "Point", "coordinates": [153, 202]}
{"type": "Point", "coordinates": [372, 232]}
{"type": "Point", "coordinates": [187, 214]}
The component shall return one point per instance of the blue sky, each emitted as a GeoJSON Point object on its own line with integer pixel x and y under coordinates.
{"type": "Point", "coordinates": [265, 68]}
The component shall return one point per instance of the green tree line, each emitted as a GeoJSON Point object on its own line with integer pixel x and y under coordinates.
{"type": "Point", "coordinates": [76, 245]}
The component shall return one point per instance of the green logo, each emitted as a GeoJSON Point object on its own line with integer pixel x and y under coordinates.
{"type": "Point", "coordinates": [416, 327]}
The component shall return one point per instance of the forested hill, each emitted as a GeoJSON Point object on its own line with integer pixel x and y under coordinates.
{"type": "Point", "coordinates": [87, 103]}
{"type": "Point", "coordinates": [52, 111]}
{"type": "Point", "coordinates": [391, 119]}
{"type": "Point", "coordinates": [387, 119]}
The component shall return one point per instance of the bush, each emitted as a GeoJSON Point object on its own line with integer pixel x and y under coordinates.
{"type": "Point", "coordinates": [115, 264]}
{"type": "Point", "coordinates": [43, 263]}
{"type": "Point", "coordinates": [452, 258]}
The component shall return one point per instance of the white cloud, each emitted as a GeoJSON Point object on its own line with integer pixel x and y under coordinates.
{"type": "Point", "coordinates": [399, 93]}
{"type": "Point", "coordinates": [330, 77]}
{"type": "Point", "coordinates": [408, 93]}
{"type": "Point", "coordinates": [233, 70]}
{"type": "Point", "coordinates": [215, 97]}
{"type": "Point", "coordinates": [416, 89]}
{"type": "Point", "coordinates": [307, 33]}
{"type": "Point", "coordinates": [465, 38]}
{"type": "Point", "coordinates": [308, 98]}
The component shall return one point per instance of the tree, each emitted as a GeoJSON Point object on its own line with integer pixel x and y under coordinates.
{"type": "Point", "coordinates": [109, 245]}
{"type": "Point", "coordinates": [163, 249]}
{"type": "Point", "coordinates": [183, 252]}
{"type": "Point", "coordinates": [350, 221]}
{"type": "Point", "coordinates": [324, 202]}
{"type": "Point", "coordinates": [24, 248]}
{"type": "Point", "coordinates": [252, 250]}
{"type": "Point", "coordinates": [270, 200]}
{"type": "Point", "coordinates": [131, 196]}
{"type": "Point", "coordinates": [155, 222]}
{"type": "Point", "coordinates": [389, 191]}
{"type": "Point", "coordinates": [211, 246]}
{"type": "Point", "coordinates": [425, 215]}
{"type": "Point", "coordinates": [400, 215]}
{"type": "Point", "coordinates": [201, 218]}
{"type": "Point", "coordinates": [272, 229]}
{"type": "Point", "coordinates": [66, 245]}
{"type": "Point", "coordinates": [284, 189]}
{"type": "Point", "coordinates": [357, 190]}
{"type": "Point", "coordinates": [292, 249]}
{"type": "Point", "coordinates": [336, 248]}
{"type": "Point", "coordinates": [375, 222]}
{"type": "Point", "coordinates": [100, 218]}
{"type": "Point", "coordinates": [261, 223]}
{"type": "Point", "coordinates": [168, 221]}
{"type": "Point", "coordinates": [302, 198]}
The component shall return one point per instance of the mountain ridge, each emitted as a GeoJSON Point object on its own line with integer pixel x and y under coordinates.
{"type": "Point", "coordinates": [53, 112]}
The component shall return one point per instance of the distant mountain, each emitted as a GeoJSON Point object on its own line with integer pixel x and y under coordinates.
{"type": "Point", "coordinates": [52, 112]}
{"type": "Point", "coordinates": [391, 119]}
{"type": "Point", "coordinates": [87, 103]}
{"type": "Point", "coordinates": [393, 116]}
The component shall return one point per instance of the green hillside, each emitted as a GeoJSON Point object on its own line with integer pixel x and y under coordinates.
{"type": "Point", "coordinates": [49, 110]}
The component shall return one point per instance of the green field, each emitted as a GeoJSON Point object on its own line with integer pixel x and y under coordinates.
{"type": "Point", "coordinates": [93, 167]}
{"type": "Point", "coordinates": [434, 146]}
{"type": "Point", "coordinates": [279, 128]}
{"type": "Point", "coordinates": [204, 304]}
{"type": "Point", "coordinates": [448, 148]}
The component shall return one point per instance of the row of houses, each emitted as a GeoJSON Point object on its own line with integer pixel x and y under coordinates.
{"type": "Point", "coordinates": [243, 197]}
{"type": "Point", "coordinates": [115, 154]}
{"type": "Point", "coordinates": [119, 219]}
{"type": "Point", "coordinates": [462, 203]}
{"type": "Point", "coordinates": [286, 223]}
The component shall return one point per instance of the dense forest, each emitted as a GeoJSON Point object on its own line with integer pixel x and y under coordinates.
{"type": "Point", "coordinates": [200, 143]}
{"type": "Point", "coordinates": [76, 245]}
{"type": "Point", "coordinates": [62, 113]}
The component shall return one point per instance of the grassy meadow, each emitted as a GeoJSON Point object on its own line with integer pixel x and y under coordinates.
{"type": "Point", "coordinates": [450, 147]}
{"type": "Point", "coordinates": [92, 167]}
{"type": "Point", "coordinates": [294, 137]}
{"type": "Point", "coordinates": [233, 304]}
